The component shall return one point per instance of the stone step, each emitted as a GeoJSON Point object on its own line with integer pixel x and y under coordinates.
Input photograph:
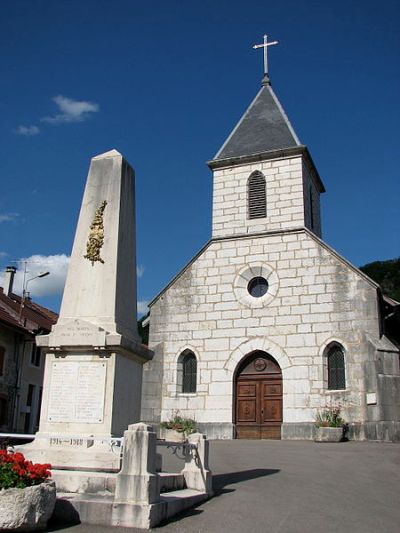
{"type": "Point", "coordinates": [171, 481]}
{"type": "Point", "coordinates": [179, 500]}
{"type": "Point", "coordinates": [102, 509]}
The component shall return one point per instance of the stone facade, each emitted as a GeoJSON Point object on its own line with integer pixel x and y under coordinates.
{"type": "Point", "coordinates": [314, 298]}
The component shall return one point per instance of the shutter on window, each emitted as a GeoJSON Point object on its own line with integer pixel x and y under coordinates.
{"type": "Point", "coordinates": [256, 195]}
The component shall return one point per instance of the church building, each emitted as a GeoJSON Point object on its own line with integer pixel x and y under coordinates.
{"type": "Point", "coordinates": [267, 324]}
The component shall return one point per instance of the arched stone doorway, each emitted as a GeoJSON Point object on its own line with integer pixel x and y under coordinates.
{"type": "Point", "coordinates": [258, 397]}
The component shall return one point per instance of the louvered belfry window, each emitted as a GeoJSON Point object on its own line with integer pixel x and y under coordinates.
{"type": "Point", "coordinates": [256, 195]}
{"type": "Point", "coordinates": [189, 373]}
{"type": "Point", "coordinates": [336, 369]}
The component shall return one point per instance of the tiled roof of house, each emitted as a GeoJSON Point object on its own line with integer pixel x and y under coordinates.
{"type": "Point", "coordinates": [31, 311]}
{"type": "Point", "coordinates": [9, 320]}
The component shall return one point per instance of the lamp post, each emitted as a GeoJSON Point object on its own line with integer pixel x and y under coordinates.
{"type": "Point", "coordinates": [25, 292]}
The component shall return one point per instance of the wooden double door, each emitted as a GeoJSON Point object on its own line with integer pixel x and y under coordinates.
{"type": "Point", "coordinates": [258, 402]}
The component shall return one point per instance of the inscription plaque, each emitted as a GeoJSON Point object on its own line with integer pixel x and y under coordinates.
{"type": "Point", "coordinates": [77, 392]}
{"type": "Point", "coordinates": [78, 333]}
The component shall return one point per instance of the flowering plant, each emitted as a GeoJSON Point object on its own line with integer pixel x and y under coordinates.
{"type": "Point", "coordinates": [329, 417]}
{"type": "Point", "coordinates": [17, 472]}
{"type": "Point", "coordinates": [180, 424]}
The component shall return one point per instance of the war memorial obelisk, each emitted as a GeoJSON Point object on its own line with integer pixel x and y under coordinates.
{"type": "Point", "coordinates": [94, 359]}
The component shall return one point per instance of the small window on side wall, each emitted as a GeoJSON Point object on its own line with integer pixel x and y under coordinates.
{"type": "Point", "coordinates": [2, 359]}
{"type": "Point", "coordinates": [3, 410]}
{"type": "Point", "coordinates": [256, 195]}
{"type": "Point", "coordinates": [187, 368]}
{"type": "Point", "coordinates": [336, 367]}
{"type": "Point", "coordinates": [35, 355]}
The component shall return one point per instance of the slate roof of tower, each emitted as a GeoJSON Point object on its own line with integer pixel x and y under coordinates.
{"type": "Point", "coordinates": [264, 127]}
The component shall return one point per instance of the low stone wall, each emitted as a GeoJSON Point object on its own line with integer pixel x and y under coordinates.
{"type": "Point", "coordinates": [299, 431]}
{"type": "Point", "coordinates": [217, 430]}
{"type": "Point", "coordinates": [388, 431]}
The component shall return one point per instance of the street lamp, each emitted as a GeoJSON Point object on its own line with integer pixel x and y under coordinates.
{"type": "Point", "coordinates": [25, 292]}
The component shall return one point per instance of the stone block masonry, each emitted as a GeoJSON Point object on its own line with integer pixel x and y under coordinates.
{"type": "Point", "coordinates": [287, 204]}
{"type": "Point", "coordinates": [319, 298]}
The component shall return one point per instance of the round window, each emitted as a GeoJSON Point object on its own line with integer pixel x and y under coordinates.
{"type": "Point", "coordinates": [257, 287]}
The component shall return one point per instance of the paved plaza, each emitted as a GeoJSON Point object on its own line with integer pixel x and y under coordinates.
{"type": "Point", "coordinates": [291, 487]}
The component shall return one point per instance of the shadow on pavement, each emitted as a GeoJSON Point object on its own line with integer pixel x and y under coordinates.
{"type": "Point", "coordinates": [221, 480]}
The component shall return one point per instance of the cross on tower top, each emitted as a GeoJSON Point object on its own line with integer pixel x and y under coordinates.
{"type": "Point", "coordinates": [265, 45]}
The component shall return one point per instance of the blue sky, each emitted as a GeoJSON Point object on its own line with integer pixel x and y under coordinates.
{"type": "Point", "coordinates": [164, 82]}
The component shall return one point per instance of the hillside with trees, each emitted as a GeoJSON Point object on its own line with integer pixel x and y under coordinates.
{"type": "Point", "coordinates": [387, 274]}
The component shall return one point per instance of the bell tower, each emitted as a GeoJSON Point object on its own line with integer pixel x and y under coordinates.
{"type": "Point", "coordinates": [264, 178]}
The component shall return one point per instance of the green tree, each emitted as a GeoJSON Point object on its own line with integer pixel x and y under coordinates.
{"type": "Point", "coordinates": [387, 274]}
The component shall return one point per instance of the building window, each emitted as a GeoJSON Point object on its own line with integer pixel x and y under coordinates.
{"type": "Point", "coordinates": [3, 411]}
{"type": "Point", "coordinates": [187, 372]}
{"type": "Point", "coordinates": [256, 195]}
{"type": "Point", "coordinates": [38, 409]}
{"type": "Point", "coordinates": [336, 368]}
{"type": "Point", "coordinates": [29, 407]}
{"type": "Point", "coordinates": [2, 359]}
{"type": "Point", "coordinates": [257, 287]}
{"type": "Point", "coordinates": [35, 355]}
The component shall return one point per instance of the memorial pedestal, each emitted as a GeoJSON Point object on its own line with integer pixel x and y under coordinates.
{"type": "Point", "coordinates": [90, 395]}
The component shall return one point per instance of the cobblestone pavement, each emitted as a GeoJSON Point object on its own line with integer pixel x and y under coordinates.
{"type": "Point", "coordinates": [291, 487]}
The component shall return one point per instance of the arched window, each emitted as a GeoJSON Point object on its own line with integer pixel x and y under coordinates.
{"type": "Point", "coordinates": [256, 195]}
{"type": "Point", "coordinates": [336, 369]}
{"type": "Point", "coordinates": [187, 372]}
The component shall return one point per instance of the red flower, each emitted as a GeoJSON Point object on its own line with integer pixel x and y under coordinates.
{"type": "Point", "coordinates": [22, 470]}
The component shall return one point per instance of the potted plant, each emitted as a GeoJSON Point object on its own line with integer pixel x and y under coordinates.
{"type": "Point", "coordinates": [330, 425]}
{"type": "Point", "coordinates": [177, 428]}
{"type": "Point", "coordinates": [27, 497]}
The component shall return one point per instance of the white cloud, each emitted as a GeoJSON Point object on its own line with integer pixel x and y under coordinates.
{"type": "Point", "coordinates": [139, 271]}
{"type": "Point", "coordinates": [52, 284]}
{"type": "Point", "coordinates": [8, 217]}
{"type": "Point", "coordinates": [142, 307]}
{"type": "Point", "coordinates": [71, 110]}
{"type": "Point", "coordinates": [28, 131]}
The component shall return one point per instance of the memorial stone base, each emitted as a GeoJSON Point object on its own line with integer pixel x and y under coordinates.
{"type": "Point", "coordinates": [90, 395]}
